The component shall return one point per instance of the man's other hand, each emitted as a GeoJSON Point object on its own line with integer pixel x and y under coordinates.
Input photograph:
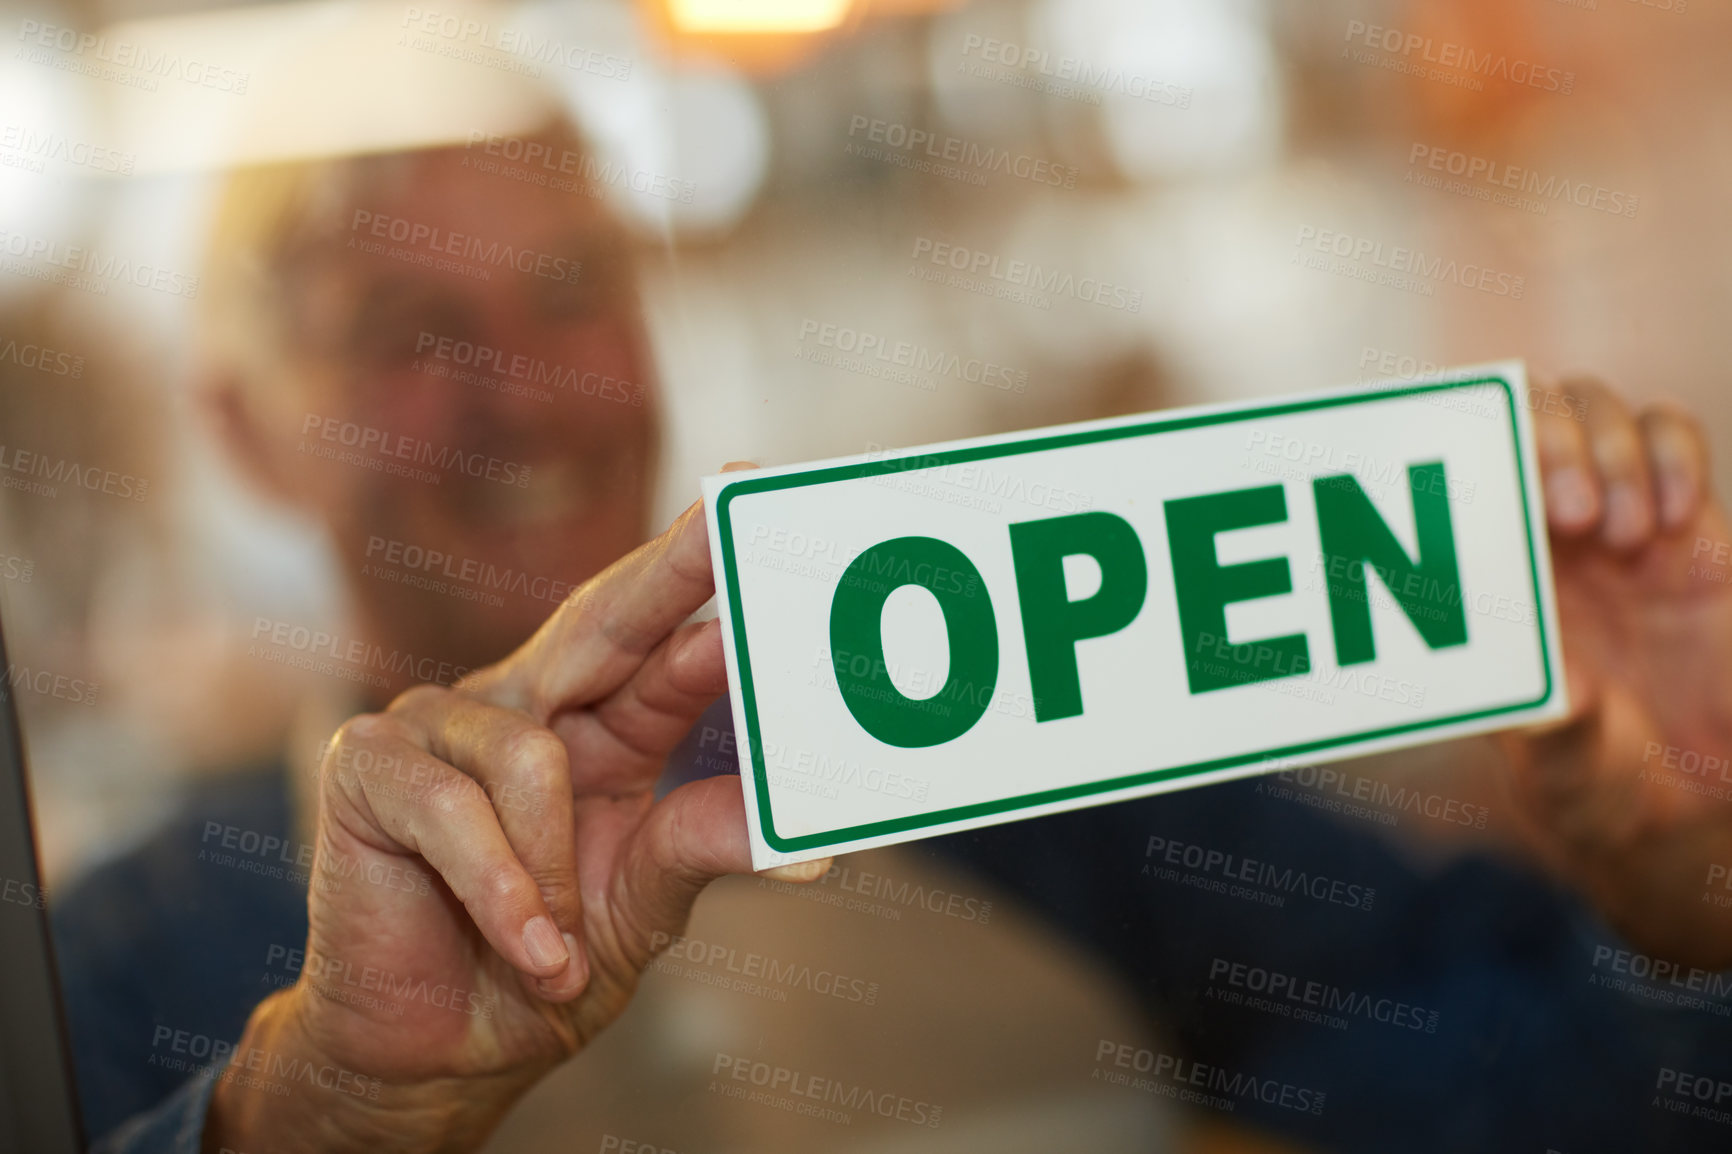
{"type": "Point", "coordinates": [1630, 798]}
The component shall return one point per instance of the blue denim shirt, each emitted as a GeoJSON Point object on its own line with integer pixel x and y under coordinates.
{"type": "Point", "coordinates": [165, 951]}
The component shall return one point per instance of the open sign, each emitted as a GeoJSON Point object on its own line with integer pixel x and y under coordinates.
{"type": "Point", "coordinates": [1241, 588]}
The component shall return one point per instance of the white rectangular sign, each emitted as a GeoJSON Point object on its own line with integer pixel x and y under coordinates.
{"type": "Point", "coordinates": [932, 639]}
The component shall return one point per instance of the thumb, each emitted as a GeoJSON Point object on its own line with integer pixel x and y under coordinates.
{"type": "Point", "coordinates": [690, 838]}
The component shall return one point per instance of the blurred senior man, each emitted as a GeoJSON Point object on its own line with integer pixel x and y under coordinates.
{"type": "Point", "coordinates": [530, 865]}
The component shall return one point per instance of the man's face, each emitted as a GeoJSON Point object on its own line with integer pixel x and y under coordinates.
{"type": "Point", "coordinates": [479, 438]}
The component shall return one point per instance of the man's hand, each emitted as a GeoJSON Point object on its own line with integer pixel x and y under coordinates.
{"type": "Point", "coordinates": [491, 870]}
{"type": "Point", "coordinates": [1624, 797]}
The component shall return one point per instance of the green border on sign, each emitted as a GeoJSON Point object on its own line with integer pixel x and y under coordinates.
{"type": "Point", "coordinates": [1063, 441]}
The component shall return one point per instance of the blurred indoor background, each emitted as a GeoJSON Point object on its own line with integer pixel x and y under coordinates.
{"type": "Point", "coordinates": [809, 183]}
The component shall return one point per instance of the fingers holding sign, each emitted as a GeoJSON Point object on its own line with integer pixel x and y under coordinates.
{"type": "Point", "coordinates": [1645, 624]}
{"type": "Point", "coordinates": [617, 672]}
{"type": "Point", "coordinates": [1617, 476]}
{"type": "Point", "coordinates": [608, 627]}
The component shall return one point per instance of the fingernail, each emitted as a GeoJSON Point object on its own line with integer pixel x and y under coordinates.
{"type": "Point", "coordinates": [1570, 496]}
{"type": "Point", "coordinates": [541, 940]}
{"type": "Point", "coordinates": [806, 871]}
{"type": "Point", "coordinates": [570, 980]}
{"type": "Point", "coordinates": [1676, 497]}
{"type": "Point", "coordinates": [1626, 521]}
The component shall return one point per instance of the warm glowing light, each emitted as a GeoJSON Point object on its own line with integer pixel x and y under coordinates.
{"type": "Point", "coordinates": [757, 17]}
